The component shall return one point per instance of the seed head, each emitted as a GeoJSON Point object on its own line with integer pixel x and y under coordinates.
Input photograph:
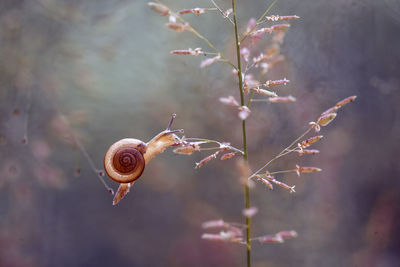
{"type": "Point", "coordinates": [265, 182]}
{"type": "Point", "coordinates": [279, 183]}
{"type": "Point", "coordinates": [214, 224]}
{"type": "Point", "coordinates": [310, 141]}
{"type": "Point", "coordinates": [230, 101]}
{"type": "Point", "coordinates": [245, 53]}
{"type": "Point", "coordinates": [159, 8]}
{"type": "Point", "coordinates": [271, 239]}
{"type": "Point", "coordinates": [306, 170]}
{"type": "Point", "coordinates": [265, 92]}
{"type": "Point", "coordinates": [346, 101]}
{"type": "Point", "coordinates": [333, 109]}
{"type": "Point", "coordinates": [269, 83]}
{"type": "Point", "coordinates": [197, 11]}
{"type": "Point", "coordinates": [250, 212]}
{"type": "Point", "coordinates": [326, 119]}
{"type": "Point", "coordinates": [244, 112]}
{"type": "Point", "coordinates": [287, 234]}
{"type": "Point", "coordinates": [279, 18]}
{"type": "Point", "coordinates": [206, 160]}
{"type": "Point", "coordinates": [185, 150]}
{"type": "Point", "coordinates": [277, 27]}
{"type": "Point", "coordinates": [227, 155]}
{"type": "Point", "coordinates": [207, 62]}
{"type": "Point", "coordinates": [189, 51]}
{"type": "Point", "coordinates": [179, 27]}
{"type": "Point", "coordinates": [307, 151]}
{"type": "Point", "coordinates": [228, 12]}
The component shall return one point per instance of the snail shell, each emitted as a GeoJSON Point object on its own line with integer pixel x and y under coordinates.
{"type": "Point", "coordinates": [124, 161]}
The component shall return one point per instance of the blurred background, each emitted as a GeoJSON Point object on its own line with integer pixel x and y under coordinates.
{"type": "Point", "coordinates": [99, 71]}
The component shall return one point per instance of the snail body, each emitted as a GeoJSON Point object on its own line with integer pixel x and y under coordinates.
{"type": "Point", "coordinates": [126, 159]}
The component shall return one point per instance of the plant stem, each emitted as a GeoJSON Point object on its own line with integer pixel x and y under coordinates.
{"type": "Point", "coordinates": [246, 187]}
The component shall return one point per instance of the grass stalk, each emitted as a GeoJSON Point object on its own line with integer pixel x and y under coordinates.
{"type": "Point", "coordinates": [245, 156]}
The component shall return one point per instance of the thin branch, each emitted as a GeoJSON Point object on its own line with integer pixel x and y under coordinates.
{"type": "Point", "coordinates": [215, 142]}
{"type": "Point", "coordinates": [285, 171]}
{"type": "Point", "coordinates": [221, 11]}
{"type": "Point", "coordinates": [282, 153]}
{"type": "Point", "coordinates": [99, 173]}
{"type": "Point", "coordinates": [258, 21]}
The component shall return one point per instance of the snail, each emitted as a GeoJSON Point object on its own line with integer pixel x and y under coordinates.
{"type": "Point", "coordinates": [125, 160]}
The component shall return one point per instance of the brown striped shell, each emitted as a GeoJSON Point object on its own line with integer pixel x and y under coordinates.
{"type": "Point", "coordinates": [124, 161]}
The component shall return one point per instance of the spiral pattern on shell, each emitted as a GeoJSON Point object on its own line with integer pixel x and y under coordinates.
{"type": "Point", "coordinates": [124, 161]}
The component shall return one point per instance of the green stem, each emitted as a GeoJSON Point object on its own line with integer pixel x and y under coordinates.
{"type": "Point", "coordinates": [246, 187]}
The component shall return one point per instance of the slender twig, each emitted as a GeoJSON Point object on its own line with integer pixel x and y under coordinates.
{"type": "Point", "coordinates": [258, 21]}
{"type": "Point", "coordinates": [250, 98]}
{"type": "Point", "coordinates": [245, 157]}
{"type": "Point", "coordinates": [99, 173]}
{"type": "Point", "coordinates": [229, 147]}
{"type": "Point", "coordinates": [221, 11]}
{"type": "Point", "coordinates": [282, 153]}
{"type": "Point", "coordinates": [286, 171]}
{"type": "Point", "coordinates": [252, 93]}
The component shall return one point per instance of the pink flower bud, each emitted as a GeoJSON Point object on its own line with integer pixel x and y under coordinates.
{"type": "Point", "coordinates": [159, 8]}
{"type": "Point", "coordinates": [228, 12]}
{"type": "Point", "coordinates": [179, 27]}
{"type": "Point", "coordinates": [245, 53]}
{"type": "Point", "coordinates": [282, 99]}
{"type": "Point", "coordinates": [287, 234]}
{"type": "Point", "coordinates": [306, 169]}
{"type": "Point", "coordinates": [230, 100]}
{"type": "Point", "coordinates": [277, 27]}
{"type": "Point", "coordinates": [265, 182]}
{"type": "Point", "coordinates": [185, 150]}
{"type": "Point", "coordinates": [189, 51]}
{"type": "Point", "coordinates": [252, 22]}
{"type": "Point", "coordinates": [279, 18]}
{"type": "Point", "coordinates": [206, 160]}
{"type": "Point", "coordinates": [227, 155]}
{"type": "Point", "coordinates": [310, 141]}
{"type": "Point", "coordinates": [269, 83]}
{"type": "Point", "coordinates": [212, 237]}
{"type": "Point", "coordinates": [197, 11]}
{"type": "Point", "coordinates": [207, 62]}
{"type": "Point", "coordinates": [265, 92]}
{"type": "Point", "coordinates": [214, 224]}
{"type": "Point", "coordinates": [250, 212]}
{"type": "Point", "coordinates": [278, 183]}
{"type": "Point", "coordinates": [280, 27]}
{"type": "Point", "coordinates": [271, 239]}
{"type": "Point", "coordinates": [244, 112]}
{"type": "Point", "coordinates": [346, 101]}
{"type": "Point", "coordinates": [330, 110]}
{"type": "Point", "coordinates": [308, 152]}
{"type": "Point", "coordinates": [326, 119]}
